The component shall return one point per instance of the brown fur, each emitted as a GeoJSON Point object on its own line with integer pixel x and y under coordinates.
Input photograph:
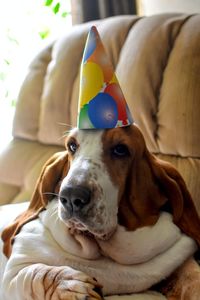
{"type": "Point", "coordinates": [147, 184]}
{"type": "Point", "coordinates": [184, 283]}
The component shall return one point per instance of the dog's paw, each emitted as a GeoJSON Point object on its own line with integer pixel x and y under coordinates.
{"type": "Point", "coordinates": [70, 284]}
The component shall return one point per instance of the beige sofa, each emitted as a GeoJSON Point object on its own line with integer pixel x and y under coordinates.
{"type": "Point", "coordinates": [157, 61]}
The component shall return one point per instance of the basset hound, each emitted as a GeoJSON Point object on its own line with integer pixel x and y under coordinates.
{"type": "Point", "coordinates": [106, 217]}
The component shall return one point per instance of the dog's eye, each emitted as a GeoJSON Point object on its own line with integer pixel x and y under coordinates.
{"type": "Point", "coordinates": [72, 146]}
{"type": "Point", "coordinates": [120, 150]}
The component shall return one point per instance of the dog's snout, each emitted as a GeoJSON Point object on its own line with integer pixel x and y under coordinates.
{"type": "Point", "coordinates": [75, 198]}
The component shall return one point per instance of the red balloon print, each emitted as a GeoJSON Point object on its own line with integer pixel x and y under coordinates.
{"type": "Point", "coordinates": [115, 91]}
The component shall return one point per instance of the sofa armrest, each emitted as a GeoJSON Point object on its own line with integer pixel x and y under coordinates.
{"type": "Point", "coordinates": [20, 166]}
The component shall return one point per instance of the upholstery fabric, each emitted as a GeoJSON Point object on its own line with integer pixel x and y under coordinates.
{"type": "Point", "coordinates": [157, 61]}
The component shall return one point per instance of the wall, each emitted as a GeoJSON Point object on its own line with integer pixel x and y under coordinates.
{"type": "Point", "coordinates": [150, 7]}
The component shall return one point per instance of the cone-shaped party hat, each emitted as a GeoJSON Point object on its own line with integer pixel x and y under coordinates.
{"type": "Point", "coordinates": [101, 101]}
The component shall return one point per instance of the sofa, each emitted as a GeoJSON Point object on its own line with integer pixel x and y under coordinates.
{"type": "Point", "coordinates": [157, 62]}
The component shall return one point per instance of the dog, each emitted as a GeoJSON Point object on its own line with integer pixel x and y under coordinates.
{"type": "Point", "coordinates": [106, 217]}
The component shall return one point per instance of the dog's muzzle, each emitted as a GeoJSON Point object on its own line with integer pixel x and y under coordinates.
{"type": "Point", "coordinates": [75, 199]}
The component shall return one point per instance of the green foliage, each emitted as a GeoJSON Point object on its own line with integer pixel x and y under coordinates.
{"type": "Point", "coordinates": [48, 2]}
{"type": "Point", "coordinates": [7, 62]}
{"type": "Point", "coordinates": [57, 7]}
{"type": "Point", "coordinates": [65, 14]}
{"type": "Point", "coordinates": [11, 38]}
{"type": "Point", "coordinates": [44, 33]}
{"type": "Point", "coordinates": [13, 102]}
{"type": "Point", "coordinates": [2, 76]}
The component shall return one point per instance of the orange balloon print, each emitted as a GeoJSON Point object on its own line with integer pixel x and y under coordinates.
{"type": "Point", "coordinates": [99, 57]}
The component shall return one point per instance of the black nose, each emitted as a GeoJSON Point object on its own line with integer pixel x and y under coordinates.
{"type": "Point", "coordinates": [74, 198]}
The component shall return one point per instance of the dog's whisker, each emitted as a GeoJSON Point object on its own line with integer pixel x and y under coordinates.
{"type": "Point", "coordinates": [64, 135]}
{"type": "Point", "coordinates": [65, 124]}
{"type": "Point", "coordinates": [51, 194]}
{"type": "Point", "coordinates": [66, 132]}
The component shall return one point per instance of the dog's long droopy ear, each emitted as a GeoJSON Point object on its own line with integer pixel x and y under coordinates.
{"type": "Point", "coordinates": [153, 185]}
{"type": "Point", "coordinates": [142, 198]}
{"type": "Point", "coordinates": [52, 173]}
{"type": "Point", "coordinates": [55, 169]}
{"type": "Point", "coordinates": [185, 215]}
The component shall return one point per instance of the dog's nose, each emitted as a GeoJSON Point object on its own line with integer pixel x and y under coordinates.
{"type": "Point", "coordinates": [75, 198]}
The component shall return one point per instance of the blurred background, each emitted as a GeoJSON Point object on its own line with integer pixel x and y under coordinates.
{"type": "Point", "coordinates": [27, 26]}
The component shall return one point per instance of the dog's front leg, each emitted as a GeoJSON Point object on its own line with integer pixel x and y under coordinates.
{"type": "Point", "coordinates": [37, 268]}
{"type": "Point", "coordinates": [42, 282]}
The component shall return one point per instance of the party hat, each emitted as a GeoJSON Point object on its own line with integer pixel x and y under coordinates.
{"type": "Point", "coordinates": [101, 101]}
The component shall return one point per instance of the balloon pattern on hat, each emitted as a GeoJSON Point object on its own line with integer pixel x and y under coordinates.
{"type": "Point", "coordinates": [101, 101]}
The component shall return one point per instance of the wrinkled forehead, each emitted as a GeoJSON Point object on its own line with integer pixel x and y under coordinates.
{"type": "Point", "coordinates": [86, 136]}
{"type": "Point", "coordinates": [89, 141]}
{"type": "Point", "coordinates": [97, 141]}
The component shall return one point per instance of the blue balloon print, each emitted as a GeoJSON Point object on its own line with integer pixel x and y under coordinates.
{"type": "Point", "coordinates": [90, 45]}
{"type": "Point", "coordinates": [102, 111]}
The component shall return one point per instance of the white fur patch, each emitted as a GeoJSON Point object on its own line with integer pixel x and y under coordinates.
{"type": "Point", "coordinates": [87, 169]}
{"type": "Point", "coordinates": [55, 247]}
{"type": "Point", "coordinates": [143, 244]}
{"type": "Point", "coordinates": [119, 278]}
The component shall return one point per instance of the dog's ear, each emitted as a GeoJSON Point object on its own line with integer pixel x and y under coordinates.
{"type": "Point", "coordinates": [142, 198]}
{"type": "Point", "coordinates": [153, 185]}
{"type": "Point", "coordinates": [183, 209]}
{"type": "Point", "coordinates": [53, 172]}
{"type": "Point", "coordinates": [48, 184]}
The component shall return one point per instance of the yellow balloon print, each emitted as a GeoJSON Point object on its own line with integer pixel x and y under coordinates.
{"type": "Point", "coordinates": [91, 82]}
